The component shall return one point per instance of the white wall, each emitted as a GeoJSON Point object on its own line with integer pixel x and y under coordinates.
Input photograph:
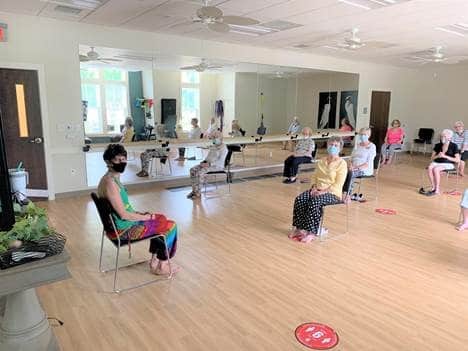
{"type": "Point", "coordinates": [53, 46]}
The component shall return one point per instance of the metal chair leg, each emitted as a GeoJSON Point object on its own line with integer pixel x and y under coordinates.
{"type": "Point", "coordinates": [116, 271]}
{"type": "Point", "coordinates": [100, 253]}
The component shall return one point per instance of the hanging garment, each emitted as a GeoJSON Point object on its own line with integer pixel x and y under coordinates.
{"type": "Point", "coordinates": [219, 112]}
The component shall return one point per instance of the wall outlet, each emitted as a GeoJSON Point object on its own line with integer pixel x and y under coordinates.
{"type": "Point", "coordinates": [72, 171]}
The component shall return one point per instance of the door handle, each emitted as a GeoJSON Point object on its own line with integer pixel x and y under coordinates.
{"type": "Point", "coordinates": [37, 140]}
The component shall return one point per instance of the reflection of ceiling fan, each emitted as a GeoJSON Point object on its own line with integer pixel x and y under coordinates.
{"type": "Point", "coordinates": [215, 20]}
{"type": "Point", "coordinates": [201, 67]}
{"type": "Point", "coordinates": [280, 74]}
{"type": "Point", "coordinates": [353, 42]}
{"type": "Point", "coordinates": [434, 55]}
{"type": "Point", "coordinates": [94, 56]}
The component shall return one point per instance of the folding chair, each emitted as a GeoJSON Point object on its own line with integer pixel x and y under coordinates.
{"type": "Point", "coordinates": [321, 234]}
{"type": "Point", "coordinates": [425, 136]}
{"type": "Point", "coordinates": [154, 158]}
{"type": "Point", "coordinates": [374, 176]}
{"type": "Point", "coordinates": [105, 211]}
{"type": "Point", "coordinates": [226, 172]}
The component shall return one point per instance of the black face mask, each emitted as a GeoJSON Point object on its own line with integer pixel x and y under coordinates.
{"type": "Point", "coordinates": [119, 167]}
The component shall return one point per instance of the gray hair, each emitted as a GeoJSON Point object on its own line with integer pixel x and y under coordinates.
{"type": "Point", "coordinates": [366, 130]}
{"type": "Point", "coordinates": [448, 133]}
{"type": "Point", "coordinates": [335, 139]}
{"type": "Point", "coordinates": [459, 123]}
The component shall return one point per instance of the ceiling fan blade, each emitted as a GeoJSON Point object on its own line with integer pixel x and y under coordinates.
{"type": "Point", "coordinates": [209, 12]}
{"type": "Point", "coordinates": [214, 67]}
{"type": "Point", "coordinates": [84, 58]}
{"type": "Point", "coordinates": [219, 27]}
{"type": "Point", "coordinates": [189, 68]}
{"type": "Point", "coordinates": [110, 59]}
{"type": "Point", "coordinates": [240, 21]}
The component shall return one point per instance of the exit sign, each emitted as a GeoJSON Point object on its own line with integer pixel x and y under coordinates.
{"type": "Point", "coordinates": [3, 32]}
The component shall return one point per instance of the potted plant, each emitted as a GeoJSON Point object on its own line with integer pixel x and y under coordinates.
{"type": "Point", "coordinates": [30, 238]}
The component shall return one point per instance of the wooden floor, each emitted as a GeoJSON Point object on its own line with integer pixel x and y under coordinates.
{"type": "Point", "coordinates": [393, 283]}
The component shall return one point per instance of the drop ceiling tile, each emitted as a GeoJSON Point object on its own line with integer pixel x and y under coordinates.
{"type": "Point", "coordinates": [27, 7]}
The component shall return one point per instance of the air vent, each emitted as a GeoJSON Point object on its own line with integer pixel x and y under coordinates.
{"type": "Point", "coordinates": [264, 28]}
{"type": "Point", "coordinates": [280, 26]}
{"type": "Point", "coordinates": [68, 10]}
{"type": "Point", "coordinates": [301, 46]}
{"type": "Point", "coordinates": [372, 4]}
{"type": "Point", "coordinates": [78, 4]}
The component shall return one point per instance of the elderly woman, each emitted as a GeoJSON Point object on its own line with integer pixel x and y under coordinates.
{"type": "Point", "coordinates": [445, 156]}
{"type": "Point", "coordinates": [327, 184]}
{"type": "Point", "coordinates": [236, 131]}
{"type": "Point", "coordinates": [214, 161]}
{"type": "Point", "coordinates": [302, 154]}
{"type": "Point", "coordinates": [460, 137]}
{"type": "Point", "coordinates": [293, 129]}
{"type": "Point", "coordinates": [362, 161]}
{"type": "Point", "coordinates": [393, 141]}
{"type": "Point", "coordinates": [130, 223]}
{"type": "Point", "coordinates": [128, 131]}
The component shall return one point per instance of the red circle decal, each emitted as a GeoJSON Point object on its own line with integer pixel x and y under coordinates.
{"type": "Point", "coordinates": [453, 192]}
{"type": "Point", "coordinates": [316, 336]}
{"type": "Point", "coordinates": [386, 211]}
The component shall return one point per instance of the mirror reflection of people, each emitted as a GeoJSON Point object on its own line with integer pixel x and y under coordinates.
{"type": "Point", "coordinates": [130, 223]}
{"type": "Point", "coordinates": [160, 151]}
{"type": "Point", "coordinates": [445, 156]}
{"type": "Point", "coordinates": [346, 127]}
{"type": "Point", "coordinates": [393, 141]}
{"type": "Point", "coordinates": [327, 184]}
{"type": "Point", "coordinates": [128, 131]}
{"type": "Point", "coordinates": [293, 129]}
{"type": "Point", "coordinates": [194, 133]}
{"type": "Point", "coordinates": [212, 127]}
{"type": "Point", "coordinates": [460, 137]}
{"type": "Point", "coordinates": [214, 161]}
{"type": "Point", "coordinates": [236, 131]}
{"type": "Point", "coordinates": [302, 154]}
{"type": "Point", "coordinates": [324, 118]}
{"type": "Point", "coordinates": [349, 108]}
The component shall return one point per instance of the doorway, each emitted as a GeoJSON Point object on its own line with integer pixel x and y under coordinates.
{"type": "Point", "coordinates": [380, 109]}
{"type": "Point", "coordinates": [22, 118]}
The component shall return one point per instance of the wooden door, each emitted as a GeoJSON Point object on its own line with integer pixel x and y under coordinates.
{"type": "Point", "coordinates": [380, 108]}
{"type": "Point", "coordinates": [22, 121]}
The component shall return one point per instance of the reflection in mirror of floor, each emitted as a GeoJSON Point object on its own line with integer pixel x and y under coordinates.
{"type": "Point", "coordinates": [266, 155]}
{"type": "Point", "coordinates": [393, 283]}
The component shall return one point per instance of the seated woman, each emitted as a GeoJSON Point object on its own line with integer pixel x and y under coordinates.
{"type": "Point", "coordinates": [445, 156]}
{"type": "Point", "coordinates": [346, 127]}
{"type": "Point", "coordinates": [393, 141]}
{"type": "Point", "coordinates": [236, 131]}
{"type": "Point", "coordinates": [214, 161]}
{"type": "Point", "coordinates": [135, 224]}
{"type": "Point", "coordinates": [362, 161]}
{"type": "Point", "coordinates": [302, 154]}
{"type": "Point", "coordinates": [464, 212]}
{"type": "Point", "coordinates": [293, 129]}
{"type": "Point", "coordinates": [327, 183]}
{"type": "Point", "coordinates": [127, 132]}
{"type": "Point", "coordinates": [194, 133]}
{"type": "Point", "coordinates": [161, 152]}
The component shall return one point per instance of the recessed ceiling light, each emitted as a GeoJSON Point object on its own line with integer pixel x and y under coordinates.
{"type": "Point", "coordinates": [81, 4]}
{"type": "Point", "coordinates": [355, 4]}
{"type": "Point", "coordinates": [372, 4]}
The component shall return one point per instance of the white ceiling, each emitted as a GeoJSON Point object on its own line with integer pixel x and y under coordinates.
{"type": "Point", "coordinates": [407, 27]}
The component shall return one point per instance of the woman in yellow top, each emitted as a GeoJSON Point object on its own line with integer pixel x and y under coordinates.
{"type": "Point", "coordinates": [327, 184]}
{"type": "Point", "coordinates": [128, 132]}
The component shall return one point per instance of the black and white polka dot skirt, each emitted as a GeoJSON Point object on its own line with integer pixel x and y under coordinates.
{"type": "Point", "coordinates": [308, 210]}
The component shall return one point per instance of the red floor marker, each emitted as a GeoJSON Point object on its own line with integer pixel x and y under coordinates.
{"type": "Point", "coordinates": [453, 192]}
{"type": "Point", "coordinates": [385, 211]}
{"type": "Point", "coordinates": [316, 336]}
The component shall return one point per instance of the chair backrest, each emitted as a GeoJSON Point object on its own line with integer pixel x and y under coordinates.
{"type": "Point", "coordinates": [105, 210]}
{"type": "Point", "coordinates": [426, 134]}
{"type": "Point", "coordinates": [242, 132]}
{"type": "Point", "coordinates": [134, 137]}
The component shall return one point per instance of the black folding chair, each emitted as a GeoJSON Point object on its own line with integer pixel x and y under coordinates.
{"type": "Point", "coordinates": [105, 211]}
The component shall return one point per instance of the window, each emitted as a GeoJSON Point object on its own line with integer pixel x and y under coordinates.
{"type": "Point", "coordinates": [106, 91]}
{"type": "Point", "coordinates": [190, 97]}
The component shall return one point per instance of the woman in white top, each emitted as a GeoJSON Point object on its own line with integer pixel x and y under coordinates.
{"type": "Point", "coordinates": [214, 161]}
{"type": "Point", "coordinates": [194, 133]}
{"type": "Point", "coordinates": [362, 161]}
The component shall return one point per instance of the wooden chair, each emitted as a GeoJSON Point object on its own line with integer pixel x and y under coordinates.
{"type": "Point", "coordinates": [105, 211]}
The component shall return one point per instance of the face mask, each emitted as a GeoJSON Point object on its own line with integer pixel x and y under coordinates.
{"type": "Point", "coordinates": [333, 150]}
{"type": "Point", "coordinates": [364, 138]}
{"type": "Point", "coordinates": [119, 167]}
{"type": "Point", "coordinates": [443, 140]}
{"type": "Point", "coordinates": [216, 141]}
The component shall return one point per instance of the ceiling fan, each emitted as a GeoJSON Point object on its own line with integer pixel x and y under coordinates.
{"type": "Point", "coordinates": [201, 67]}
{"type": "Point", "coordinates": [434, 55]}
{"type": "Point", "coordinates": [353, 42]}
{"type": "Point", "coordinates": [213, 17]}
{"type": "Point", "coordinates": [92, 55]}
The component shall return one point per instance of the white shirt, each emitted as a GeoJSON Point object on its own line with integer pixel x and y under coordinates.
{"type": "Point", "coordinates": [364, 154]}
{"type": "Point", "coordinates": [195, 133]}
{"type": "Point", "coordinates": [294, 128]}
{"type": "Point", "coordinates": [216, 156]}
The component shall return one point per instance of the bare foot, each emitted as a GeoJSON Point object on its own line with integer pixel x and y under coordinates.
{"type": "Point", "coordinates": [163, 269]}
{"type": "Point", "coordinates": [462, 226]}
{"type": "Point", "coordinates": [308, 238]}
